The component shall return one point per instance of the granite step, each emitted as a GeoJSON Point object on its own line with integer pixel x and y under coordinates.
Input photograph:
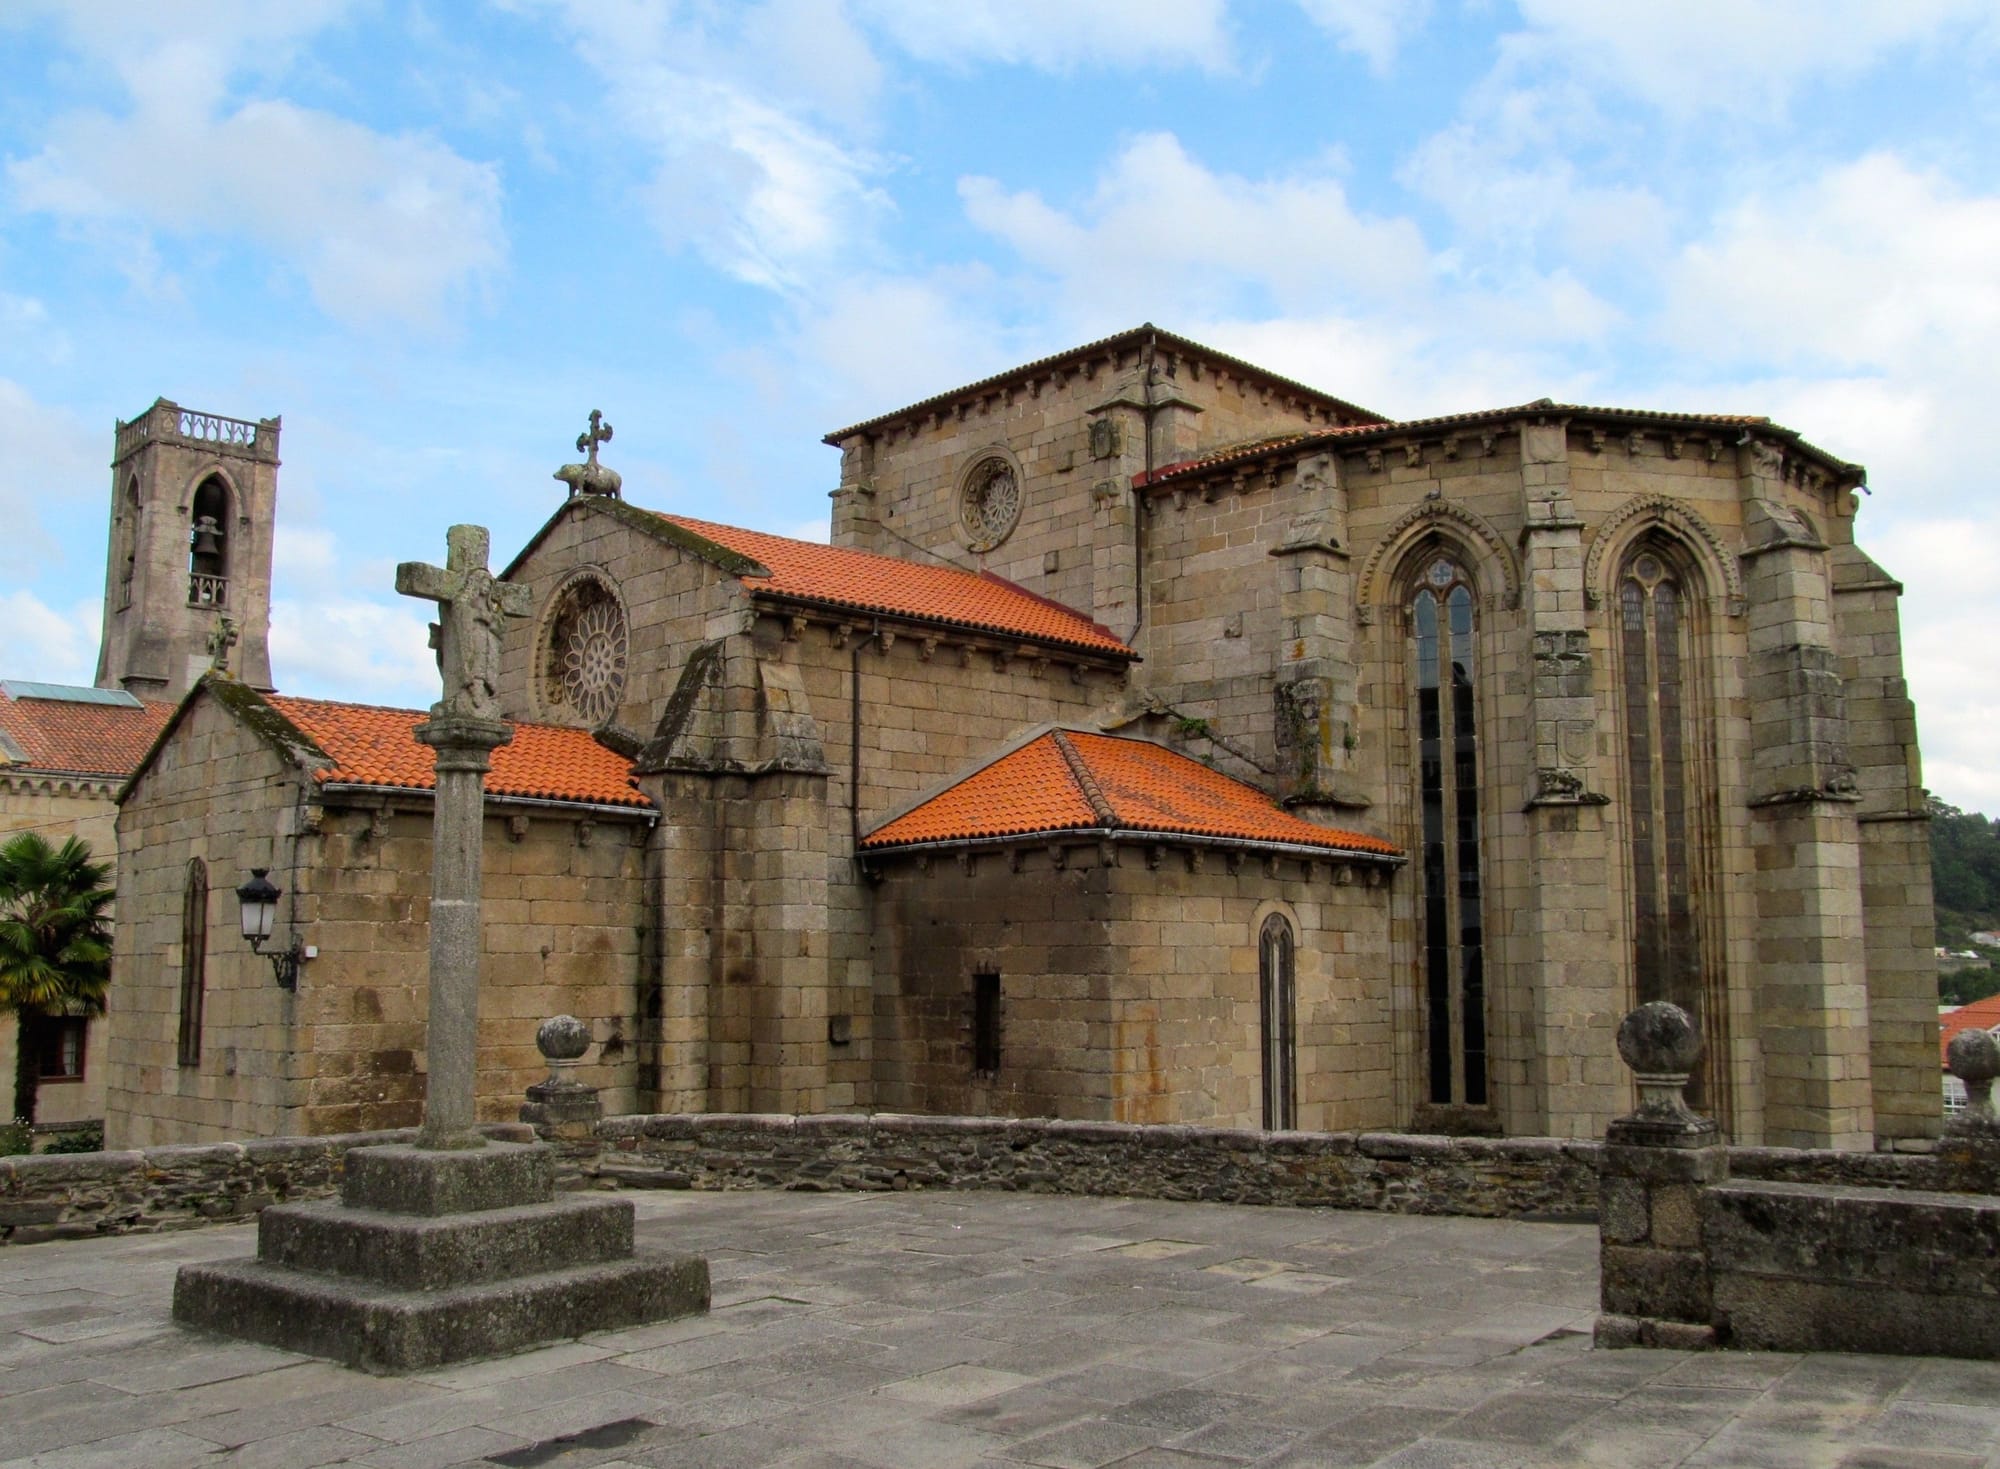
{"type": "Point", "coordinates": [398, 1178]}
{"type": "Point", "coordinates": [378, 1329]}
{"type": "Point", "coordinates": [426, 1253]}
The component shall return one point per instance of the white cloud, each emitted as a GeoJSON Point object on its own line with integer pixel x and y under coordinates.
{"type": "Point", "coordinates": [380, 226]}
{"type": "Point", "coordinates": [1743, 56]}
{"type": "Point", "coordinates": [48, 458]}
{"type": "Point", "coordinates": [1058, 35]}
{"type": "Point", "coordinates": [47, 645]}
{"type": "Point", "coordinates": [1161, 226]}
{"type": "Point", "coordinates": [351, 648]}
{"type": "Point", "coordinates": [744, 175]}
{"type": "Point", "coordinates": [1374, 30]}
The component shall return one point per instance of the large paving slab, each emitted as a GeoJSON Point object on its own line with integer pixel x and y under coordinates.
{"type": "Point", "coordinates": [899, 1330]}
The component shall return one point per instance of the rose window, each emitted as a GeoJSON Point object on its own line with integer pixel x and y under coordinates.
{"type": "Point", "coordinates": [586, 654]}
{"type": "Point", "coordinates": [990, 504]}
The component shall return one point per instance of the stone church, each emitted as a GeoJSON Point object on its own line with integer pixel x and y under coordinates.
{"type": "Point", "coordinates": [1158, 740]}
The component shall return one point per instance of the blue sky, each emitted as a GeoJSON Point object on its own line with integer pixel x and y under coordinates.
{"type": "Point", "coordinates": [434, 236]}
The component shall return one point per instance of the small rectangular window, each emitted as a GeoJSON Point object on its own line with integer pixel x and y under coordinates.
{"type": "Point", "coordinates": [986, 1023]}
{"type": "Point", "coordinates": [59, 1046]}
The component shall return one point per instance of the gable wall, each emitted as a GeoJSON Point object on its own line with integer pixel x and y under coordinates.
{"type": "Point", "coordinates": [214, 791]}
{"type": "Point", "coordinates": [916, 468]}
{"type": "Point", "coordinates": [672, 600]}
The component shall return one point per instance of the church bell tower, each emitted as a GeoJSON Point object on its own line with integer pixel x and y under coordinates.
{"type": "Point", "coordinates": [187, 586]}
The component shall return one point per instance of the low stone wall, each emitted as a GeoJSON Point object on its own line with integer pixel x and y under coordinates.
{"type": "Point", "coordinates": [76, 1195]}
{"type": "Point", "coordinates": [1818, 1267]}
{"type": "Point", "coordinates": [1546, 1178]}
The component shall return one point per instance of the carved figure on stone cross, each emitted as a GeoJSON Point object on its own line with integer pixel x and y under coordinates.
{"type": "Point", "coordinates": [473, 608]}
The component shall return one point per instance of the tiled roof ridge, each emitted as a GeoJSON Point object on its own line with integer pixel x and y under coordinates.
{"type": "Point", "coordinates": [1083, 634]}
{"type": "Point", "coordinates": [1052, 783]}
{"type": "Point", "coordinates": [1086, 782]}
{"type": "Point", "coordinates": [1389, 429]}
{"type": "Point", "coordinates": [1117, 339]}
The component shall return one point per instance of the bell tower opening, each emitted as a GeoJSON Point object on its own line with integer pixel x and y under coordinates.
{"type": "Point", "coordinates": [208, 555]}
{"type": "Point", "coordinates": [193, 501]}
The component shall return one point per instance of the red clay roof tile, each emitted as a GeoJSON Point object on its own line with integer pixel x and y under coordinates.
{"type": "Point", "coordinates": [1979, 1015]}
{"type": "Point", "coordinates": [373, 746]}
{"type": "Point", "coordinates": [839, 577]}
{"type": "Point", "coordinates": [1041, 787]}
{"type": "Point", "coordinates": [85, 739]}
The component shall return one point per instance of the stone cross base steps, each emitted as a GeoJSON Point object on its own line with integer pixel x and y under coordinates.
{"type": "Point", "coordinates": [435, 1257]}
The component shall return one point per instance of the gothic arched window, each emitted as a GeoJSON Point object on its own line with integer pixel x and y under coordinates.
{"type": "Point", "coordinates": [1452, 933]}
{"type": "Point", "coordinates": [1277, 1007]}
{"type": "Point", "coordinates": [194, 959]}
{"type": "Point", "coordinates": [1663, 778]}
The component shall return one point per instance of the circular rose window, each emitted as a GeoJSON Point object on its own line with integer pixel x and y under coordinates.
{"type": "Point", "coordinates": [990, 503]}
{"type": "Point", "coordinates": [584, 668]}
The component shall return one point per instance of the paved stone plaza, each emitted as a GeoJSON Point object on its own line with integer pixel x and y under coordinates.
{"type": "Point", "coordinates": [953, 1329]}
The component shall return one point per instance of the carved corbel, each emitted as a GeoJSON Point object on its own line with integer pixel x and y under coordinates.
{"type": "Point", "coordinates": [1674, 444]}
{"type": "Point", "coordinates": [843, 634]}
{"type": "Point", "coordinates": [965, 862]}
{"type": "Point", "coordinates": [795, 628]}
{"type": "Point", "coordinates": [1058, 856]}
{"type": "Point", "coordinates": [1597, 441]}
{"type": "Point", "coordinates": [1270, 864]}
{"type": "Point", "coordinates": [1634, 442]}
{"type": "Point", "coordinates": [1451, 446]}
{"type": "Point", "coordinates": [1374, 459]}
{"type": "Point", "coordinates": [1343, 874]}
{"type": "Point", "coordinates": [884, 640]}
{"type": "Point", "coordinates": [1486, 443]}
{"type": "Point", "coordinates": [926, 649]}
{"type": "Point", "coordinates": [585, 830]}
{"type": "Point", "coordinates": [1233, 860]}
{"type": "Point", "coordinates": [1197, 859]}
{"type": "Point", "coordinates": [517, 828]}
{"type": "Point", "coordinates": [1155, 855]}
{"type": "Point", "coordinates": [1413, 455]}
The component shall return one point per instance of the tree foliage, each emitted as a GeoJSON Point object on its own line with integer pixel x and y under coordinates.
{"type": "Point", "coordinates": [55, 940]}
{"type": "Point", "coordinates": [1965, 872]}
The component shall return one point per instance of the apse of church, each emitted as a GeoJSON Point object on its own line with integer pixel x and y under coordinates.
{"type": "Point", "coordinates": [1162, 740]}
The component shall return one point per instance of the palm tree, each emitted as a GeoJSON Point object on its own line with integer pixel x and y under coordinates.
{"type": "Point", "coordinates": [55, 942]}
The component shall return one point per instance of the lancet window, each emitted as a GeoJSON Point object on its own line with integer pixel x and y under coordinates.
{"type": "Point", "coordinates": [1277, 1002]}
{"type": "Point", "coordinates": [194, 959]}
{"type": "Point", "coordinates": [1664, 764]}
{"type": "Point", "coordinates": [1451, 939]}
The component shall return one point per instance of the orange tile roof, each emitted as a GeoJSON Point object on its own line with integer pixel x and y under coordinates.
{"type": "Point", "coordinates": [838, 577]}
{"type": "Point", "coordinates": [85, 739]}
{"type": "Point", "coordinates": [373, 746]}
{"type": "Point", "coordinates": [1979, 1015]}
{"type": "Point", "coordinates": [1067, 780]}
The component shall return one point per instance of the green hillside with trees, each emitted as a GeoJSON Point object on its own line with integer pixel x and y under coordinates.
{"type": "Point", "coordinates": [1965, 874]}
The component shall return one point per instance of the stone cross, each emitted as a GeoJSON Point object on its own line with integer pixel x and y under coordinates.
{"type": "Point", "coordinates": [221, 639]}
{"type": "Point", "coordinates": [473, 611]}
{"type": "Point", "coordinates": [600, 433]}
{"type": "Point", "coordinates": [464, 728]}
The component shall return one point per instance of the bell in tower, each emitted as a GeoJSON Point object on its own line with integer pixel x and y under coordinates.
{"type": "Point", "coordinates": [194, 498]}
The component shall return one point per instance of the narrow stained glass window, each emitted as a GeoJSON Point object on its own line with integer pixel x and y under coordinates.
{"type": "Point", "coordinates": [1453, 934]}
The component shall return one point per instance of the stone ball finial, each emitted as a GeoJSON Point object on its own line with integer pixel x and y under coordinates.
{"type": "Point", "coordinates": [562, 1038]}
{"type": "Point", "coordinates": [1659, 1039]}
{"type": "Point", "coordinates": [1973, 1055]}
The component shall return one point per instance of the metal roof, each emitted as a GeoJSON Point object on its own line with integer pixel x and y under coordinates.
{"type": "Point", "coordinates": [16, 688]}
